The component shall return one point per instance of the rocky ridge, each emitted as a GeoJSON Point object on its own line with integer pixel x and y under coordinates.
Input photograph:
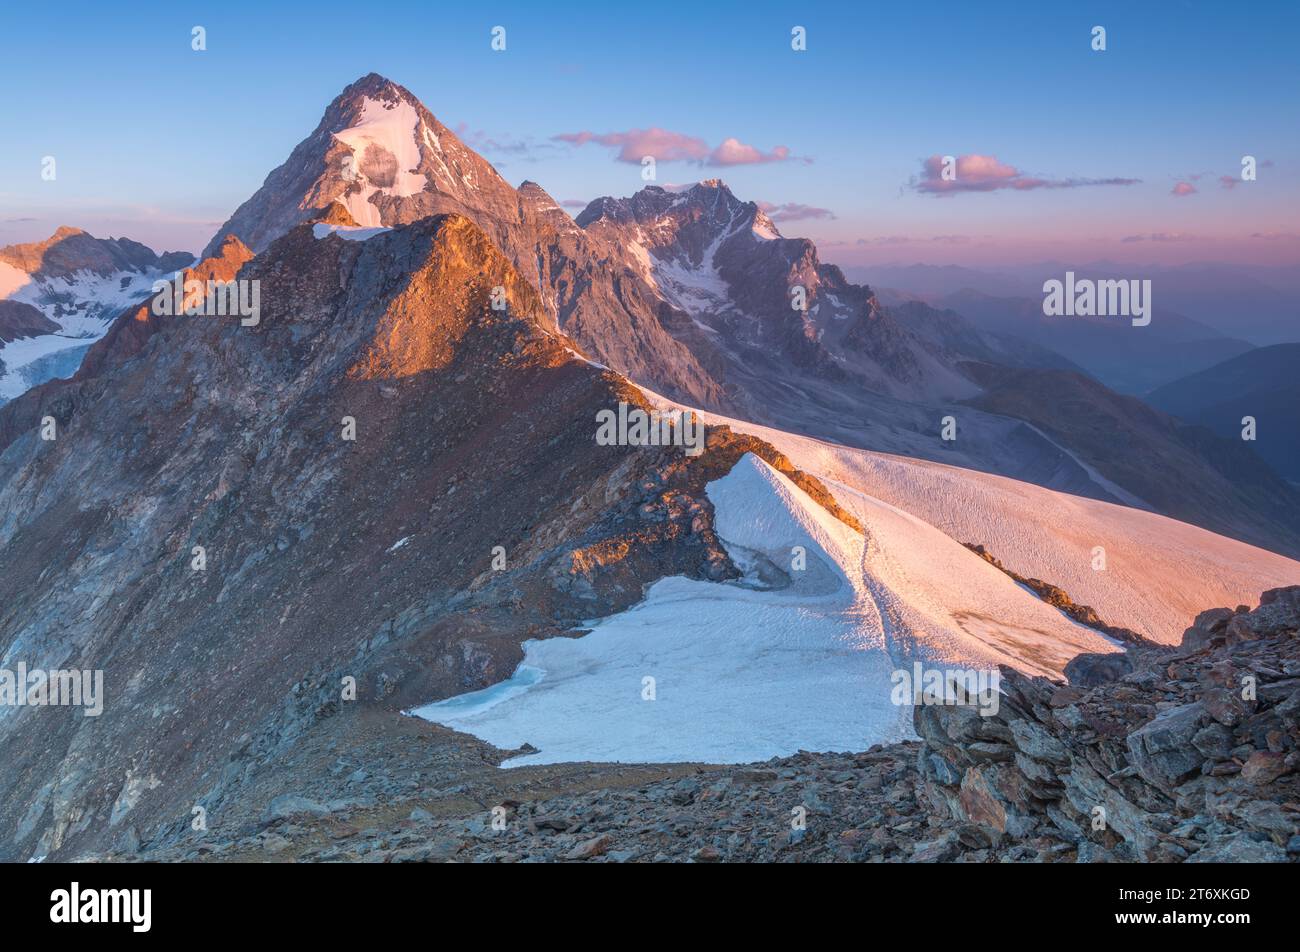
{"type": "Point", "coordinates": [1190, 756]}
{"type": "Point", "coordinates": [70, 250]}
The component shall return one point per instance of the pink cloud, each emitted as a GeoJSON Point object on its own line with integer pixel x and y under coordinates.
{"type": "Point", "coordinates": [1228, 182]}
{"type": "Point", "coordinates": [794, 211]}
{"type": "Point", "coordinates": [1183, 189]}
{"type": "Point", "coordinates": [634, 144]}
{"type": "Point", "coordinates": [985, 173]}
{"type": "Point", "coordinates": [734, 152]}
{"type": "Point", "coordinates": [668, 146]}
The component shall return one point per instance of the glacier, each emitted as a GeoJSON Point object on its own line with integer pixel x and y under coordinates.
{"type": "Point", "coordinates": [785, 659]}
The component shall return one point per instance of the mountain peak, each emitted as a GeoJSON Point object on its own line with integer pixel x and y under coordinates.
{"type": "Point", "coordinates": [72, 249]}
{"type": "Point", "coordinates": [375, 86]}
{"type": "Point", "coordinates": [384, 157]}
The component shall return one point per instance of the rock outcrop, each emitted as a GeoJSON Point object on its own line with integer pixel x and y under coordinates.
{"type": "Point", "coordinates": [1190, 756]}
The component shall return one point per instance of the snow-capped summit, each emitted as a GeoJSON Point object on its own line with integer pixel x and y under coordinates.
{"type": "Point", "coordinates": [680, 226]}
{"type": "Point", "coordinates": [758, 297]}
{"type": "Point", "coordinates": [381, 154]}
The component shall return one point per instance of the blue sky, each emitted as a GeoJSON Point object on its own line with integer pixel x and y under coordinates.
{"type": "Point", "coordinates": [158, 142]}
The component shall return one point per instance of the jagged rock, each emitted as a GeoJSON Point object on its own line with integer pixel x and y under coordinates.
{"type": "Point", "coordinates": [1268, 817]}
{"type": "Point", "coordinates": [1236, 848]}
{"type": "Point", "coordinates": [940, 850]}
{"type": "Point", "coordinates": [1221, 693]}
{"type": "Point", "coordinates": [1279, 610]}
{"type": "Point", "coordinates": [980, 802]}
{"type": "Point", "coordinates": [1263, 767]}
{"type": "Point", "coordinates": [1036, 741]}
{"type": "Point", "coordinates": [1162, 749]}
{"type": "Point", "coordinates": [1092, 669]}
{"type": "Point", "coordinates": [1214, 741]}
{"type": "Point", "coordinates": [1207, 626]}
{"type": "Point", "coordinates": [1174, 762]}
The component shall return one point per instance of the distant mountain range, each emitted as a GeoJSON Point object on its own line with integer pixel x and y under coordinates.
{"type": "Point", "coordinates": [1129, 359]}
{"type": "Point", "coordinates": [77, 284]}
{"type": "Point", "coordinates": [1257, 304]}
{"type": "Point", "coordinates": [1262, 384]}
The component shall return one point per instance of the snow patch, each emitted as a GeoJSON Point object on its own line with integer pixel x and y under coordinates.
{"type": "Point", "coordinates": [764, 228]}
{"type": "Point", "coordinates": [394, 129]}
{"type": "Point", "coordinates": [347, 232]}
{"type": "Point", "coordinates": [12, 279]}
{"type": "Point", "coordinates": [585, 360]}
{"type": "Point", "coordinates": [83, 304]}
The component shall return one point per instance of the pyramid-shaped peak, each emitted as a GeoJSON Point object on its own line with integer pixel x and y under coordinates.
{"type": "Point", "coordinates": [375, 86]}
{"type": "Point", "coordinates": [381, 154]}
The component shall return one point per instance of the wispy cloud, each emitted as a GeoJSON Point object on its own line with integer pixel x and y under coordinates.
{"type": "Point", "coordinates": [634, 144]}
{"type": "Point", "coordinates": [734, 152]}
{"type": "Point", "coordinates": [1183, 189]}
{"type": "Point", "coordinates": [795, 211]}
{"type": "Point", "coordinates": [668, 146]}
{"type": "Point", "coordinates": [905, 240]}
{"type": "Point", "coordinates": [527, 148]}
{"type": "Point", "coordinates": [986, 173]}
{"type": "Point", "coordinates": [1158, 236]}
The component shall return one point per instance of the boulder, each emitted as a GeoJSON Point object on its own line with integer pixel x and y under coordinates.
{"type": "Point", "coordinates": [1091, 669]}
{"type": "Point", "coordinates": [1207, 626]}
{"type": "Point", "coordinates": [1162, 751]}
{"type": "Point", "coordinates": [1263, 767]}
